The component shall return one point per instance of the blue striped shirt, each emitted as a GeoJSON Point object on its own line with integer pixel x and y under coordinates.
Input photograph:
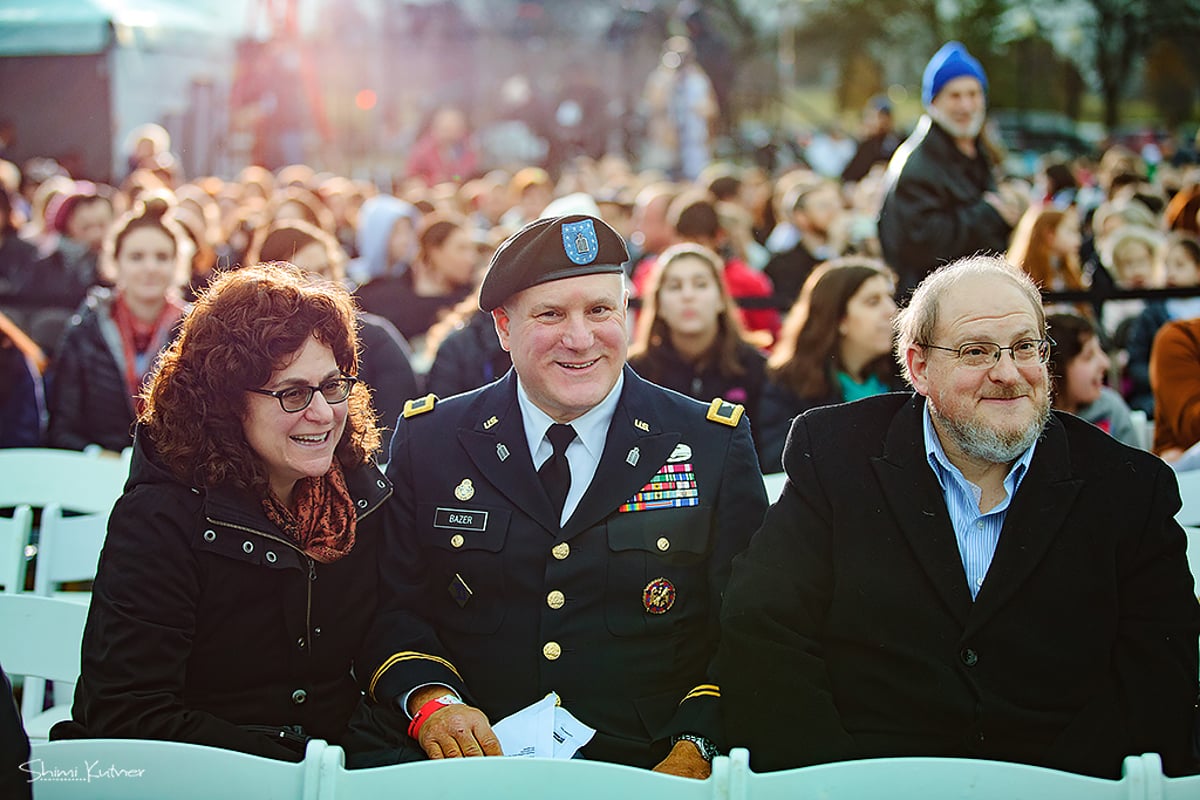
{"type": "Point", "coordinates": [977, 534]}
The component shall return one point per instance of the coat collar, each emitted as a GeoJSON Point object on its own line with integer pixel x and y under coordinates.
{"type": "Point", "coordinates": [1033, 520]}
{"type": "Point", "coordinates": [494, 439]}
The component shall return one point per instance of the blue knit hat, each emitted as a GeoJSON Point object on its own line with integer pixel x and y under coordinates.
{"type": "Point", "coordinates": [950, 62]}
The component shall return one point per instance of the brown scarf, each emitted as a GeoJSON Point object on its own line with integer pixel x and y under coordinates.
{"type": "Point", "coordinates": [324, 519]}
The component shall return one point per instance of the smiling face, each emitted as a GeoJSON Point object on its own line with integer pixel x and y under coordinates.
{"type": "Point", "coordinates": [960, 107]}
{"type": "Point", "coordinates": [147, 268]}
{"type": "Point", "coordinates": [1085, 376]}
{"type": "Point", "coordinates": [865, 332]}
{"type": "Point", "coordinates": [567, 340]}
{"type": "Point", "coordinates": [299, 445]}
{"type": "Point", "coordinates": [982, 416]}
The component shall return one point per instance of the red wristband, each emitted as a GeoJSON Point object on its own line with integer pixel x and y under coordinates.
{"type": "Point", "coordinates": [425, 711]}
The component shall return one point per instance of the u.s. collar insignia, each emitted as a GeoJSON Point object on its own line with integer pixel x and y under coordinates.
{"type": "Point", "coordinates": [580, 242]}
{"type": "Point", "coordinates": [641, 425]}
{"type": "Point", "coordinates": [681, 453]}
{"type": "Point", "coordinates": [658, 596]}
{"type": "Point", "coordinates": [464, 491]}
{"type": "Point", "coordinates": [487, 426]}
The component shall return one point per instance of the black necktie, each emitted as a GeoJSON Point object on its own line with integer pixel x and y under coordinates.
{"type": "Point", "coordinates": [555, 473]}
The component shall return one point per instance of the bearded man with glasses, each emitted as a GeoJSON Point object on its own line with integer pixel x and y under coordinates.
{"type": "Point", "coordinates": [961, 571]}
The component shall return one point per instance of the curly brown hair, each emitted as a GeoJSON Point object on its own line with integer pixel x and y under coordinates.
{"type": "Point", "coordinates": [246, 325]}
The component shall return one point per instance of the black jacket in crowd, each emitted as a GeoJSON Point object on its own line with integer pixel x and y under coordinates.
{"type": "Point", "coordinates": [88, 399]}
{"type": "Point", "coordinates": [933, 209]}
{"type": "Point", "coordinates": [468, 358]}
{"type": "Point", "coordinates": [663, 365]}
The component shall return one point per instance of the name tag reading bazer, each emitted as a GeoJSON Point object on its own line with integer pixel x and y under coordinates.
{"type": "Point", "coordinates": [460, 519]}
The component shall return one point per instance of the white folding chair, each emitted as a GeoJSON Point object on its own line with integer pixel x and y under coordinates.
{"type": "Point", "coordinates": [1189, 493]}
{"type": "Point", "coordinates": [14, 537]}
{"type": "Point", "coordinates": [1142, 429]}
{"type": "Point", "coordinates": [1193, 555]}
{"type": "Point", "coordinates": [919, 778]}
{"type": "Point", "coordinates": [513, 779]}
{"type": "Point", "coordinates": [147, 769]}
{"type": "Point", "coordinates": [68, 551]}
{"type": "Point", "coordinates": [774, 483]}
{"type": "Point", "coordinates": [42, 476]}
{"type": "Point", "coordinates": [40, 639]}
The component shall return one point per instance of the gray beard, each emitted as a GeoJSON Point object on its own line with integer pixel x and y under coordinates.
{"type": "Point", "coordinates": [985, 444]}
{"type": "Point", "coordinates": [969, 131]}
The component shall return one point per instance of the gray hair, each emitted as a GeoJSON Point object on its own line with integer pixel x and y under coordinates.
{"type": "Point", "coordinates": [917, 321]}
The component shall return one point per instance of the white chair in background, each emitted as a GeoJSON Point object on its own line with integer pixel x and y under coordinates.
{"type": "Point", "coordinates": [1193, 556]}
{"type": "Point", "coordinates": [68, 551]}
{"type": "Point", "coordinates": [40, 639]}
{"type": "Point", "coordinates": [920, 778]}
{"type": "Point", "coordinates": [146, 769]}
{"type": "Point", "coordinates": [1143, 428]}
{"type": "Point", "coordinates": [42, 476]}
{"type": "Point", "coordinates": [515, 779]}
{"type": "Point", "coordinates": [1189, 493]}
{"type": "Point", "coordinates": [14, 536]}
{"type": "Point", "coordinates": [774, 483]}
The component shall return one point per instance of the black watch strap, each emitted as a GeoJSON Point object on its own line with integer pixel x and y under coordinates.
{"type": "Point", "coordinates": [708, 750]}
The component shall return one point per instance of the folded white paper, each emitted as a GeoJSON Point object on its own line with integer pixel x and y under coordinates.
{"type": "Point", "coordinates": [542, 730]}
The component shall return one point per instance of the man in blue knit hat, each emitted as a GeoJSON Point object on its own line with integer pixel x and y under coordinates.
{"type": "Point", "coordinates": [941, 201]}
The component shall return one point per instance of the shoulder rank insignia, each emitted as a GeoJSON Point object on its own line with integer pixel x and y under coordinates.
{"type": "Point", "coordinates": [719, 411]}
{"type": "Point", "coordinates": [419, 405]}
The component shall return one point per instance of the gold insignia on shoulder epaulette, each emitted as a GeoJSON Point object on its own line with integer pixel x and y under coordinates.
{"type": "Point", "coordinates": [419, 405]}
{"type": "Point", "coordinates": [725, 413]}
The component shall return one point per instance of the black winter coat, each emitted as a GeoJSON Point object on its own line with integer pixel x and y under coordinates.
{"type": "Point", "coordinates": [206, 621]}
{"type": "Point", "coordinates": [88, 401]}
{"type": "Point", "coordinates": [468, 358]}
{"type": "Point", "coordinates": [933, 208]}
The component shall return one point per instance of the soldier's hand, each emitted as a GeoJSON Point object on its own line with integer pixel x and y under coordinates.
{"type": "Point", "coordinates": [457, 731]}
{"type": "Point", "coordinates": [685, 761]}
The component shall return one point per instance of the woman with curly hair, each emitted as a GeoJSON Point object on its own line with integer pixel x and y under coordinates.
{"type": "Point", "coordinates": [835, 346]}
{"type": "Point", "coordinates": [238, 580]}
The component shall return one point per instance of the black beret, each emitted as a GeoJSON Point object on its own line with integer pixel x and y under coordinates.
{"type": "Point", "coordinates": [549, 250]}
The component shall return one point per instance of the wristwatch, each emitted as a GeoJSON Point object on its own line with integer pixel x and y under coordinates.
{"type": "Point", "coordinates": [708, 750]}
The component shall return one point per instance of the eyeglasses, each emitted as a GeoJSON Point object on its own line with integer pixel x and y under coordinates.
{"type": "Point", "coordinates": [985, 355]}
{"type": "Point", "coordinates": [295, 399]}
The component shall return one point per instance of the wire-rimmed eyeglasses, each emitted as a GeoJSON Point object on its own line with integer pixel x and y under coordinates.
{"type": "Point", "coordinates": [985, 355]}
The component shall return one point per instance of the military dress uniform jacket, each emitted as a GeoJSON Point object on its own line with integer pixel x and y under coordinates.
{"type": "Point", "coordinates": [208, 626]}
{"type": "Point", "coordinates": [617, 611]}
{"type": "Point", "coordinates": [849, 630]}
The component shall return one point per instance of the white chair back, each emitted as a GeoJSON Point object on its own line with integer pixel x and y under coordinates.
{"type": "Point", "coordinates": [14, 537]}
{"type": "Point", "coordinates": [1142, 428]}
{"type": "Point", "coordinates": [919, 778]}
{"type": "Point", "coordinates": [774, 483]}
{"type": "Point", "coordinates": [40, 638]}
{"type": "Point", "coordinates": [1189, 493]}
{"type": "Point", "coordinates": [1193, 555]}
{"type": "Point", "coordinates": [144, 769]}
{"type": "Point", "coordinates": [68, 549]}
{"type": "Point", "coordinates": [512, 779]}
{"type": "Point", "coordinates": [39, 477]}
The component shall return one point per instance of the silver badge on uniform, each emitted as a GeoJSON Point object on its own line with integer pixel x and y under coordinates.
{"type": "Point", "coordinates": [464, 491]}
{"type": "Point", "coordinates": [502, 452]}
{"type": "Point", "coordinates": [681, 453]}
{"type": "Point", "coordinates": [633, 457]}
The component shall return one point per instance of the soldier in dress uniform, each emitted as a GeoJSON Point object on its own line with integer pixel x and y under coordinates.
{"type": "Point", "coordinates": [568, 528]}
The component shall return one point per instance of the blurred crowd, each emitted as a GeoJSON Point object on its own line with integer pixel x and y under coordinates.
{"type": "Point", "coordinates": [769, 288]}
